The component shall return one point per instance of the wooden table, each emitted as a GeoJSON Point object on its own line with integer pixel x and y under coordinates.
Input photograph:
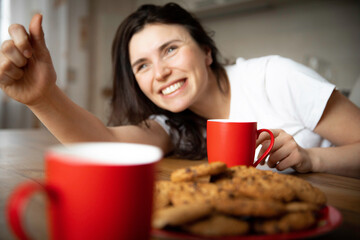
{"type": "Point", "coordinates": [21, 159]}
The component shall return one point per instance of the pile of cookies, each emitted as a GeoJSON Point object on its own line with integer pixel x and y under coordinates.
{"type": "Point", "coordinates": [213, 200]}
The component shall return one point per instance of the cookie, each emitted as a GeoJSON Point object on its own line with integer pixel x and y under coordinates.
{"type": "Point", "coordinates": [179, 215]}
{"type": "Point", "coordinates": [236, 201]}
{"type": "Point", "coordinates": [161, 194]}
{"type": "Point", "coordinates": [245, 171]}
{"type": "Point", "coordinates": [250, 207]}
{"type": "Point", "coordinates": [259, 186]}
{"type": "Point", "coordinates": [301, 207]}
{"type": "Point", "coordinates": [238, 171]}
{"type": "Point", "coordinates": [290, 222]}
{"type": "Point", "coordinates": [304, 191]}
{"type": "Point", "coordinates": [192, 192]}
{"type": "Point", "coordinates": [218, 225]}
{"type": "Point", "coordinates": [194, 172]}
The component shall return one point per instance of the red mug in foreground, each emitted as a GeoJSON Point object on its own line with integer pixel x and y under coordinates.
{"type": "Point", "coordinates": [94, 191]}
{"type": "Point", "coordinates": [233, 142]}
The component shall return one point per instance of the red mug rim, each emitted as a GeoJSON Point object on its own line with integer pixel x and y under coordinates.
{"type": "Point", "coordinates": [229, 121]}
{"type": "Point", "coordinates": [105, 154]}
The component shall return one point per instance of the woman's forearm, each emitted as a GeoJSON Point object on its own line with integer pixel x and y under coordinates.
{"type": "Point", "coordinates": [342, 160]}
{"type": "Point", "coordinates": [67, 121]}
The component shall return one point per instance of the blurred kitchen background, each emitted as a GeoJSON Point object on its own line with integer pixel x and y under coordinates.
{"type": "Point", "coordinates": [322, 34]}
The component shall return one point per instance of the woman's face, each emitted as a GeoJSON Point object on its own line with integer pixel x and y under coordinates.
{"type": "Point", "coordinates": [169, 66]}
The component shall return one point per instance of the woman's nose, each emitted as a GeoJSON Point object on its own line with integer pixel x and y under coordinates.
{"type": "Point", "coordinates": [162, 71]}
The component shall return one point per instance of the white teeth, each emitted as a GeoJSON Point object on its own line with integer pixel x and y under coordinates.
{"type": "Point", "coordinates": [172, 88]}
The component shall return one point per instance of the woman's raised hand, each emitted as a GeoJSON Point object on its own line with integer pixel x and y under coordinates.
{"type": "Point", "coordinates": [27, 73]}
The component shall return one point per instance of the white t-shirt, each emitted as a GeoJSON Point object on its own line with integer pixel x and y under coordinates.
{"type": "Point", "coordinates": [278, 93]}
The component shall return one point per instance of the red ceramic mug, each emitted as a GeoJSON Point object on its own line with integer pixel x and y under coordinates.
{"type": "Point", "coordinates": [234, 142]}
{"type": "Point", "coordinates": [94, 191]}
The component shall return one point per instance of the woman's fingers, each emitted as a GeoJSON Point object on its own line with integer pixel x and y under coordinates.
{"type": "Point", "coordinates": [36, 31]}
{"type": "Point", "coordinates": [264, 140]}
{"type": "Point", "coordinates": [14, 55]}
{"type": "Point", "coordinates": [290, 161]}
{"type": "Point", "coordinates": [21, 39]}
{"type": "Point", "coordinates": [281, 153]}
{"type": "Point", "coordinates": [37, 38]}
{"type": "Point", "coordinates": [263, 137]}
{"type": "Point", "coordinates": [8, 71]}
{"type": "Point", "coordinates": [283, 147]}
{"type": "Point", "coordinates": [5, 80]}
{"type": "Point", "coordinates": [285, 153]}
{"type": "Point", "coordinates": [10, 51]}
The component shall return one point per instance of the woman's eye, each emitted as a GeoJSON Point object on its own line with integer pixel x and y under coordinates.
{"type": "Point", "coordinates": [142, 66]}
{"type": "Point", "coordinates": [171, 49]}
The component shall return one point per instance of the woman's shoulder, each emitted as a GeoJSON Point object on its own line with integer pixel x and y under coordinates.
{"type": "Point", "coordinates": [251, 68]}
{"type": "Point", "coordinates": [258, 64]}
{"type": "Point", "coordinates": [263, 61]}
{"type": "Point", "coordinates": [271, 66]}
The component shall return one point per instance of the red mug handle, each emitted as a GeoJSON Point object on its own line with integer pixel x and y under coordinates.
{"type": "Point", "coordinates": [268, 149]}
{"type": "Point", "coordinates": [17, 203]}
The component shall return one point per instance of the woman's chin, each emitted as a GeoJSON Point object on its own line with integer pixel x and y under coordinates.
{"type": "Point", "coordinates": [176, 108]}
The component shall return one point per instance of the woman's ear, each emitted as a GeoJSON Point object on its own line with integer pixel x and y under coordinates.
{"type": "Point", "coordinates": [208, 59]}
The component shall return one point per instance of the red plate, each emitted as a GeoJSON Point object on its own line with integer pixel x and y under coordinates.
{"type": "Point", "coordinates": [329, 219]}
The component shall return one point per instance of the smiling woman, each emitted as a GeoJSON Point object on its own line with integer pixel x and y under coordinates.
{"type": "Point", "coordinates": [175, 76]}
{"type": "Point", "coordinates": [168, 81]}
{"type": "Point", "coordinates": [174, 66]}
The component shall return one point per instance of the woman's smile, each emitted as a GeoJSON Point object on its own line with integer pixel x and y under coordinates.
{"type": "Point", "coordinates": [174, 87]}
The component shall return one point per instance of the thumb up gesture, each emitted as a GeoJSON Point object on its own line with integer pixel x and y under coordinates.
{"type": "Point", "coordinates": [26, 70]}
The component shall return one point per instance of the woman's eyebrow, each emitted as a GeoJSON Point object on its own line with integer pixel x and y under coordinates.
{"type": "Point", "coordinates": [137, 62]}
{"type": "Point", "coordinates": [161, 48]}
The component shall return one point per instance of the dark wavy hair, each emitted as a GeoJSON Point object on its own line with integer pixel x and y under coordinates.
{"type": "Point", "coordinates": [131, 106]}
